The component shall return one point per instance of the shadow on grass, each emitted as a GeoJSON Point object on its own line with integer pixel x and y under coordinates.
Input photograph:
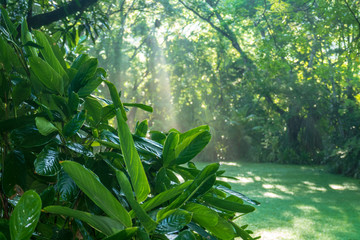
{"type": "Point", "coordinates": [298, 202]}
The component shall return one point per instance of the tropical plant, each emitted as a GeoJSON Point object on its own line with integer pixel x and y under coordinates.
{"type": "Point", "coordinates": [69, 151]}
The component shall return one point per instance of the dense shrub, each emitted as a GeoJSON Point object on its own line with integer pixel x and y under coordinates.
{"type": "Point", "coordinates": [67, 173]}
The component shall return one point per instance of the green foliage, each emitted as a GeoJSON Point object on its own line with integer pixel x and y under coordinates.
{"type": "Point", "coordinates": [25, 216]}
{"type": "Point", "coordinates": [92, 178]}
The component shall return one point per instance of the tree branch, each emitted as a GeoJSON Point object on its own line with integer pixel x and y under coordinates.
{"type": "Point", "coordinates": [72, 7]}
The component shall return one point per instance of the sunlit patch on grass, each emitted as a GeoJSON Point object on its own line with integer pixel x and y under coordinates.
{"type": "Point", "coordinates": [276, 234]}
{"type": "Point", "coordinates": [319, 189]}
{"type": "Point", "coordinates": [278, 187]}
{"type": "Point", "coordinates": [257, 178]}
{"type": "Point", "coordinates": [268, 186]}
{"type": "Point", "coordinates": [345, 186]}
{"type": "Point", "coordinates": [230, 164]}
{"type": "Point", "coordinates": [307, 208]}
{"type": "Point", "coordinates": [308, 183]}
{"type": "Point", "coordinates": [297, 204]}
{"type": "Point", "coordinates": [273, 195]}
{"type": "Point", "coordinates": [238, 180]}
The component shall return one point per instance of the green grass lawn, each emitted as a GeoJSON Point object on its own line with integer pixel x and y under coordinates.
{"type": "Point", "coordinates": [297, 202]}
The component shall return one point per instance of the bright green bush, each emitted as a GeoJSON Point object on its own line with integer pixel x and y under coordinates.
{"type": "Point", "coordinates": [91, 180]}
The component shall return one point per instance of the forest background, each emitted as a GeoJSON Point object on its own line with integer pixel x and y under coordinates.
{"type": "Point", "coordinates": [277, 81]}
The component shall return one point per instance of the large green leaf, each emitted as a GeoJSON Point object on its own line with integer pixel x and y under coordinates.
{"type": "Point", "coordinates": [89, 183]}
{"type": "Point", "coordinates": [223, 229]}
{"type": "Point", "coordinates": [193, 132]}
{"type": "Point", "coordinates": [139, 105]}
{"type": "Point", "coordinates": [48, 53]}
{"type": "Point", "coordinates": [211, 221]}
{"type": "Point", "coordinates": [8, 23]}
{"type": "Point", "coordinates": [106, 225]}
{"type": "Point", "coordinates": [116, 99]}
{"type": "Point", "coordinates": [79, 148]}
{"type": "Point", "coordinates": [46, 74]}
{"type": "Point", "coordinates": [165, 196]}
{"type": "Point", "coordinates": [228, 205]}
{"type": "Point", "coordinates": [80, 60]}
{"type": "Point", "coordinates": [147, 146]}
{"type": "Point", "coordinates": [28, 136]}
{"type": "Point", "coordinates": [85, 72]}
{"type": "Point", "coordinates": [237, 194]}
{"type": "Point", "coordinates": [242, 232]}
{"type": "Point", "coordinates": [144, 218]}
{"type": "Point", "coordinates": [44, 126]}
{"type": "Point", "coordinates": [25, 216]}
{"type": "Point", "coordinates": [171, 142]}
{"type": "Point", "coordinates": [12, 123]}
{"type": "Point", "coordinates": [141, 129]}
{"type": "Point", "coordinates": [202, 214]}
{"type": "Point", "coordinates": [174, 220]}
{"type": "Point", "coordinates": [132, 160]}
{"type": "Point", "coordinates": [125, 234]}
{"type": "Point", "coordinates": [92, 83]}
{"type": "Point", "coordinates": [66, 186]}
{"type": "Point", "coordinates": [205, 174]}
{"type": "Point", "coordinates": [74, 125]}
{"type": "Point", "coordinates": [201, 231]}
{"type": "Point", "coordinates": [27, 37]}
{"type": "Point", "coordinates": [94, 109]}
{"type": "Point", "coordinates": [47, 161]}
{"type": "Point", "coordinates": [190, 146]}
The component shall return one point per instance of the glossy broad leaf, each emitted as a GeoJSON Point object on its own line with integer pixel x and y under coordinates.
{"type": "Point", "coordinates": [141, 129]}
{"type": "Point", "coordinates": [165, 196]}
{"type": "Point", "coordinates": [48, 53]}
{"type": "Point", "coordinates": [72, 127]}
{"type": "Point", "coordinates": [116, 99]}
{"type": "Point", "coordinates": [28, 136]}
{"type": "Point", "coordinates": [139, 105]}
{"type": "Point", "coordinates": [85, 72]}
{"type": "Point", "coordinates": [144, 218]}
{"type": "Point", "coordinates": [89, 183]}
{"type": "Point", "coordinates": [202, 214]}
{"type": "Point", "coordinates": [66, 186]}
{"type": "Point", "coordinates": [228, 205]}
{"type": "Point", "coordinates": [94, 109]}
{"type": "Point", "coordinates": [171, 142]}
{"type": "Point", "coordinates": [196, 228]}
{"type": "Point", "coordinates": [47, 162]}
{"type": "Point", "coordinates": [44, 126]}
{"type": "Point", "coordinates": [147, 146]}
{"type": "Point", "coordinates": [106, 225]}
{"type": "Point", "coordinates": [25, 216]}
{"type": "Point", "coordinates": [237, 194]}
{"type": "Point", "coordinates": [207, 173]}
{"type": "Point", "coordinates": [223, 229]}
{"type": "Point", "coordinates": [174, 220]}
{"type": "Point", "coordinates": [79, 148]}
{"type": "Point", "coordinates": [242, 232]}
{"type": "Point", "coordinates": [92, 83]}
{"type": "Point", "coordinates": [190, 146]}
{"type": "Point", "coordinates": [47, 75]}
{"type": "Point", "coordinates": [132, 160]}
